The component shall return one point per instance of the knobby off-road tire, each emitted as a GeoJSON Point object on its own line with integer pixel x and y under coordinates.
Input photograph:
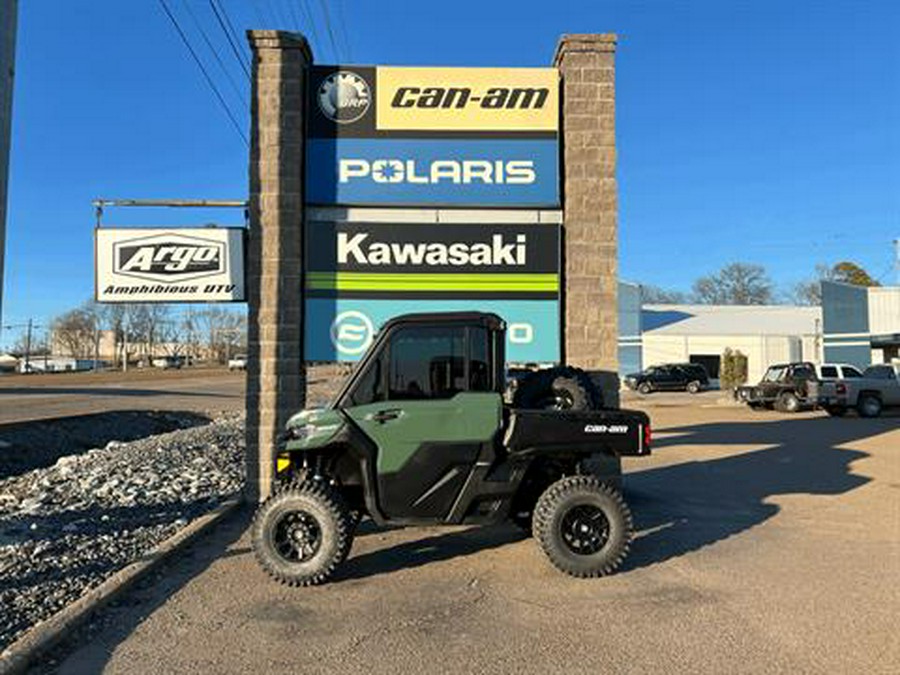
{"type": "Point", "coordinates": [302, 533]}
{"type": "Point", "coordinates": [563, 388]}
{"type": "Point", "coordinates": [583, 526]}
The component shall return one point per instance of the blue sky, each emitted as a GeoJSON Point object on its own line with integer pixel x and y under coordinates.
{"type": "Point", "coordinates": [760, 131]}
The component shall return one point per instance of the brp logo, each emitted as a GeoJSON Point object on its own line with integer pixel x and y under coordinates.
{"type": "Point", "coordinates": [352, 332]}
{"type": "Point", "coordinates": [344, 97]}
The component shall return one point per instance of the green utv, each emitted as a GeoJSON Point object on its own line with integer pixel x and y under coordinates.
{"type": "Point", "coordinates": [420, 435]}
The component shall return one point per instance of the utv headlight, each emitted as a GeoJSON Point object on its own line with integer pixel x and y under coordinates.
{"type": "Point", "coordinates": [298, 433]}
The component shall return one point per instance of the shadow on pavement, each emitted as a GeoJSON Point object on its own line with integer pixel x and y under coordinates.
{"type": "Point", "coordinates": [697, 503]}
{"type": "Point", "coordinates": [680, 509]}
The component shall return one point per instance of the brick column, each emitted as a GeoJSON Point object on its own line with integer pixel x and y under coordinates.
{"type": "Point", "coordinates": [276, 380]}
{"type": "Point", "coordinates": [590, 332]}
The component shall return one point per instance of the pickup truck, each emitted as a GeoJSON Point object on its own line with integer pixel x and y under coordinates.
{"type": "Point", "coordinates": [878, 388]}
{"type": "Point", "coordinates": [786, 386]}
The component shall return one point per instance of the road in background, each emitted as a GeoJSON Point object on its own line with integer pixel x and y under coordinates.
{"type": "Point", "coordinates": [35, 397]}
{"type": "Point", "coordinates": [767, 543]}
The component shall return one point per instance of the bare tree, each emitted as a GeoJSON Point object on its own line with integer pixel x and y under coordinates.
{"type": "Point", "coordinates": [225, 331]}
{"type": "Point", "coordinates": [655, 295]}
{"type": "Point", "coordinates": [75, 331]}
{"type": "Point", "coordinates": [810, 292]}
{"type": "Point", "coordinates": [735, 284]}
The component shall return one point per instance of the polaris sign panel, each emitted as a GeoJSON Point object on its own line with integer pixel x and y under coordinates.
{"type": "Point", "coordinates": [433, 136]}
{"type": "Point", "coordinates": [359, 275]}
{"type": "Point", "coordinates": [170, 265]}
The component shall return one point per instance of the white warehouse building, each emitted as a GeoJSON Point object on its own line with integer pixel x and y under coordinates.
{"type": "Point", "coordinates": [701, 334]}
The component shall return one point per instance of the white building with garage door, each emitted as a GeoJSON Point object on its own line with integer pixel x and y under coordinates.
{"type": "Point", "coordinates": [766, 334]}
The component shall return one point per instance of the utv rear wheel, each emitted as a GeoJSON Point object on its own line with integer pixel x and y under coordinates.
{"type": "Point", "coordinates": [302, 533]}
{"type": "Point", "coordinates": [583, 526]}
{"type": "Point", "coordinates": [557, 389]}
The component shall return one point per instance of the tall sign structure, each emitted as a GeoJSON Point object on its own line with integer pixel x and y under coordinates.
{"type": "Point", "coordinates": [376, 191]}
{"type": "Point", "coordinates": [8, 17]}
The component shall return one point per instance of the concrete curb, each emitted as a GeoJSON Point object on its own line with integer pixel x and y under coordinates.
{"type": "Point", "coordinates": [20, 654]}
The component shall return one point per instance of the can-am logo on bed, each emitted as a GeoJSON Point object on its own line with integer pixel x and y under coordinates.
{"type": "Point", "coordinates": [169, 258]}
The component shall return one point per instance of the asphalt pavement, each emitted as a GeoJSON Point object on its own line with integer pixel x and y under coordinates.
{"type": "Point", "coordinates": [35, 397]}
{"type": "Point", "coordinates": [767, 543]}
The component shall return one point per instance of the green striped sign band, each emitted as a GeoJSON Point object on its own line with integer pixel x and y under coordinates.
{"type": "Point", "coordinates": [412, 281]}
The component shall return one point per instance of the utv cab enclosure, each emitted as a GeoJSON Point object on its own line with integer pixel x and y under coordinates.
{"type": "Point", "coordinates": [420, 433]}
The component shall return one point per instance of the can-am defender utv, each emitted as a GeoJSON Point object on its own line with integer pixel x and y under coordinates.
{"type": "Point", "coordinates": [420, 434]}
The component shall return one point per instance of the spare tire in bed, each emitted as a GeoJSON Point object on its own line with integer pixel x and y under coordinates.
{"type": "Point", "coordinates": [561, 388]}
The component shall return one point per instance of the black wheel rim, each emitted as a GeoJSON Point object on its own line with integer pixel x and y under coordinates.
{"type": "Point", "coordinates": [296, 536]}
{"type": "Point", "coordinates": [585, 529]}
{"type": "Point", "coordinates": [559, 399]}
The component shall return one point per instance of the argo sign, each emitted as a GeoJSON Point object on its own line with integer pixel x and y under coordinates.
{"type": "Point", "coordinates": [169, 265]}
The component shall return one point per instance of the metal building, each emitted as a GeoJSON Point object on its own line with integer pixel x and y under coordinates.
{"type": "Point", "coordinates": [861, 325]}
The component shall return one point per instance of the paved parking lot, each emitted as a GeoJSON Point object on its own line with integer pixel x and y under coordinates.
{"type": "Point", "coordinates": [768, 543]}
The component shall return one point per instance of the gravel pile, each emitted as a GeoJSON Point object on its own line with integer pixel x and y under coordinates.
{"type": "Point", "coordinates": [67, 527]}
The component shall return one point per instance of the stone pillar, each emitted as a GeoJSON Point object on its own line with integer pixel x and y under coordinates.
{"type": "Point", "coordinates": [590, 333]}
{"type": "Point", "coordinates": [276, 380]}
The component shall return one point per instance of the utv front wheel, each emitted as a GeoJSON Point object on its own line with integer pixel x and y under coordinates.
{"type": "Point", "coordinates": [302, 533]}
{"type": "Point", "coordinates": [584, 526]}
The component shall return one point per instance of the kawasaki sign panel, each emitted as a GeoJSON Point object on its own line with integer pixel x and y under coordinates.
{"type": "Point", "coordinates": [170, 265]}
{"type": "Point", "coordinates": [432, 136]}
{"type": "Point", "coordinates": [359, 275]}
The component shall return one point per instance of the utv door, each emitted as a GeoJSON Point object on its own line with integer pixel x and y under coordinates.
{"type": "Point", "coordinates": [432, 414]}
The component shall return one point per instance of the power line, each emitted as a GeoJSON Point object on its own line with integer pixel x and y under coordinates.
{"type": "Point", "coordinates": [200, 65]}
{"type": "Point", "coordinates": [214, 51]}
{"type": "Point", "coordinates": [342, 26]}
{"type": "Point", "coordinates": [307, 10]}
{"type": "Point", "coordinates": [324, 5]}
{"type": "Point", "coordinates": [293, 13]}
{"type": "Point", "coordinates": [234, 47]}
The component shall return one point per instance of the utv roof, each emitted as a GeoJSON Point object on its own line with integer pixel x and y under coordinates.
{"type": "Point", "coordinates": [486, 319]}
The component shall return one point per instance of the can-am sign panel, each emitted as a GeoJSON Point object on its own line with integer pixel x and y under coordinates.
{"type": "Point", "coordinates": [430, 136]}
{"type": "Point", "coordinates": [169, 265]}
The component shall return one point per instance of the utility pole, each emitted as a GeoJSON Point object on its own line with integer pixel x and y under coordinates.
{"type": "Point", "coordinates": [897, 261]}
{"type": "Point", "coordinates": [8, 14]}
{"type": "Point", "coordinates": [28, 346]}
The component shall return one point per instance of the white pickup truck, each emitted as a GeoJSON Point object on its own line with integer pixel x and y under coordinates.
{"type": "Point", "coordinates": [878, 388]}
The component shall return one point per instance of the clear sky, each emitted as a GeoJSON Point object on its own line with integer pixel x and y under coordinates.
{"type": "Point", "coordinates": [761, 131]}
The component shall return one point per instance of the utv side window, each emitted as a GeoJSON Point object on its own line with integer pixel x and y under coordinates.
{"type": "Point", "coordinates": [370, 388]}
{"type": "Point", "coordinates": [427, 363]}
{"type": "Point", "coordinates": [479, 359]}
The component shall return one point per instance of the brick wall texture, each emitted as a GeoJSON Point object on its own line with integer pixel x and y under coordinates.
{"type": "Point", "coordinates": [276, 376]}
{"type": "Point", "coordinates": [587, 68]}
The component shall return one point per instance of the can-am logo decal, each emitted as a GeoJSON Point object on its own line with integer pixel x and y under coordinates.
{"type": "Point", "coordinates": [169, 258]}
{"type": "Point", "coordinates": [458, 172]}
{"type": "Point", "coordinates": [344, 97]}
{"type": "Point", "coordinates": [522, 98]}
{"type": "Point", "coordinates": [499, 251]}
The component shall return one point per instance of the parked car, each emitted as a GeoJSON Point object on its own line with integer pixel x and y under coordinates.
{"type": "Point", "coordinates": [238, 362]}
{"type": "Point", "coordinates": [167, 362]}
{"type": "Point", "coordinates": [690, 377]}
{"type": "Point", "coordinates": [784, 387]}
{"type": "Point", "coordinates": [876, 389]}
